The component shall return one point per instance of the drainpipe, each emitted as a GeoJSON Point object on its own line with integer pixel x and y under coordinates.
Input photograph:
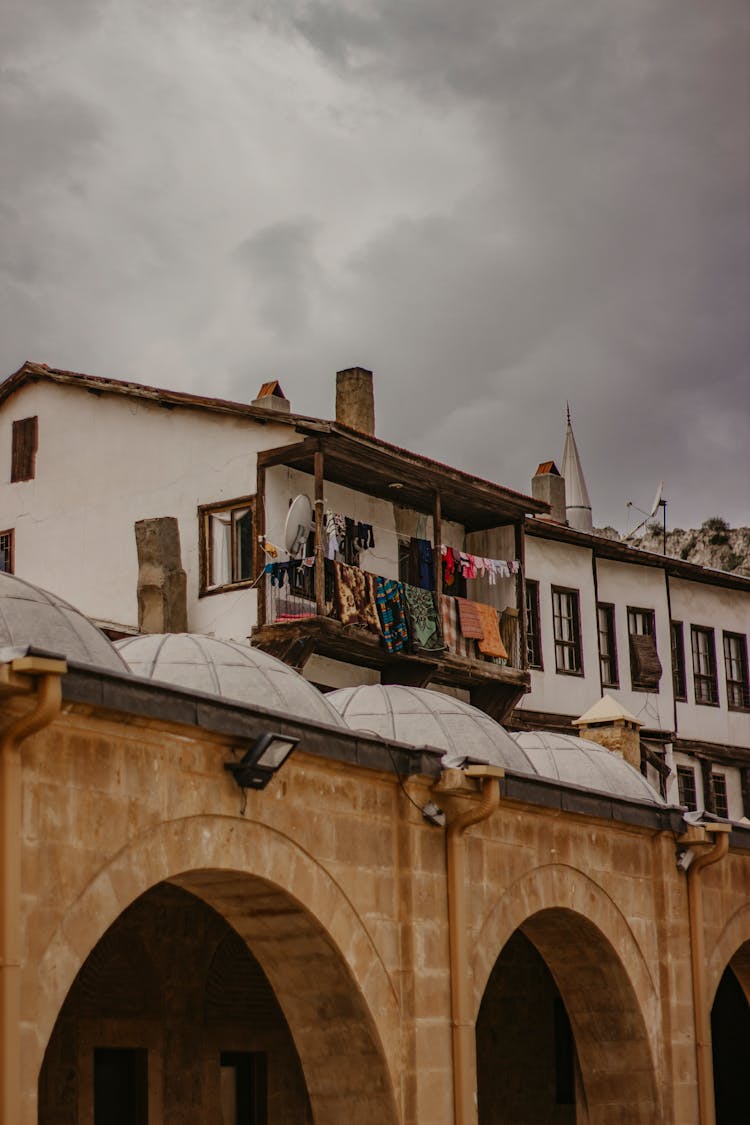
{"type": "Point", "coordinates": [47, 701]}
{"type": "Point", "coordinates": [462, 1016]}
{"type": "Point", "coordinates": [701, 1012]}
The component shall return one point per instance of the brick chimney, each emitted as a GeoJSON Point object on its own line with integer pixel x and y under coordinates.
{"type": "Point", "coordinates": [162, 583]}
{"type": "Point", "coordinates": [547, 484]}
{"type": "Point", "coordinates": [355, 402]}
{"type": "Point", "coordinates": [612, 725]}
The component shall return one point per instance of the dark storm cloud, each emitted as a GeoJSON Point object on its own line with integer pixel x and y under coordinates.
{"type": "Point", "coordinates": [497, 207]}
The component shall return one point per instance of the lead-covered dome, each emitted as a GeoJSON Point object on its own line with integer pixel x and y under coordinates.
{"type": "Point", "coordinates": [585, 764]}
{"type": "Point", "coordinates": [429, 718]}
{"type": "Point", "coordinates": [31, 616]}
{"type": "Point", "coordinates": [227, 668]}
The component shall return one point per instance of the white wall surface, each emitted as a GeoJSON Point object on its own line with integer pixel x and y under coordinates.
{"type": "Point", "coordinates": [106, 461]}
{"type": "Point", "coordinates": [560, 564]}
{"type": "Point", "coordinates": [713, 607]}
{"type": "Point", "coordinates": [642, 587]}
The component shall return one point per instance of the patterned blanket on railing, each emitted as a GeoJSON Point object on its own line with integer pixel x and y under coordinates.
{"type": "Point", "coordinates": [490, 644]}
{"type": "Point", "coordinates": [452, 635]}
{"type": "Point", "coordinates": [422, 619]}
{"type": "Point", "coordinates": [355, 597]}
{"type": "Point", "coordinates": [390, 603]}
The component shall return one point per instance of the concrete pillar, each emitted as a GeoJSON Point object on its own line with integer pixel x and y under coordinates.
{"type": "Point", "coordinates": [162, 583]}
{"type": "Point", "coordinates": [355, 402]}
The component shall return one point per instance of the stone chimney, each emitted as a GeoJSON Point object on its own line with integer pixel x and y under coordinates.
{"type": "Point", "coordinates": [547, 484]}
{"type": "Point", "coordinates": [355, 402]}
{"type": "Point", "coordinates": [612, 725]}
{"type": "Point", "coordinates": [162, 583]}
{"type": "Point", "coordinates": [271, 397]}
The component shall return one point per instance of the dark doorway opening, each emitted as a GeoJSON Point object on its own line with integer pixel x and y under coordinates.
{"type": "Point", "coordinates": [730, 1036]}
{"type": "Point", "coordinates": [120, 1086]}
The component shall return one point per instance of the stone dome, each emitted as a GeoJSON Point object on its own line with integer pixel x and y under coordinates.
{"type": "Point", "coordinates": [584, 764]}
{"type": "Point", "coordinates": [429, 718]}
{"type": "Point", "coordinates": [227, 668]}
{"type": "Point", "coordinates": [31, 616]}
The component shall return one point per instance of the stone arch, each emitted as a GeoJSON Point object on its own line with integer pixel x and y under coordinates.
{"type": "Point", "coordinates": [602, 976]}
{"type": "Point", "coordinates": [326, 972]}
{"type": "Point", "coordinates": [732, 948]}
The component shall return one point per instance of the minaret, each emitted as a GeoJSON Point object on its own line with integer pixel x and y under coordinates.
{"type": "Point", "coordinates": [577, 503]}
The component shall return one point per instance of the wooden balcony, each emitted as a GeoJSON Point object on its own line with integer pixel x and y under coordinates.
{"type": "Point", "coordinates": [494, 688]}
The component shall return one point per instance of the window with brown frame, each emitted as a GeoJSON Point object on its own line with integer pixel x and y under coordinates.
{"type": "Point", "coordinates": [25, 442]}
{"type": "Point", "coordinates": [607, 644]}
{"type": "Point", "coordinates": [721, 800]}
{"type": "Point", "coordinates": [227, 544]}
{"type": "Point", "coordinates": [686, 790]}
{"type": "Point", "coordinates": [704, 666]}
{"type": "Point", "coordinates": [677, 641]}
{"type": "Point", "coordinates": [566, 619]}
{"type": "Point", "coordinates": [735, 667]}
{"type": "Point", "coordinates": [533, 628]}
{"type": "Point", "coordinates": [6, 551]}
{"type": "Point", "coordinates": [645, 666]}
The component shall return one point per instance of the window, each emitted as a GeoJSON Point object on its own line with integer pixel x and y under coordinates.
{"type": "Point", "coordinates": [6, 551]}
{"type": "Point", "coordinates": [120, 1086]}
{"type": "Point", "coordinates": [686, 787]}
{"type": "Point", "coordinates": [679, 682]}
{"type": "Point", "coordinates": [721, 804]}
{"type": "Point", "coordinates": [645, 666]}
{"type": "Point", "coordinates": [735, 666]}
{"type": "Point", "coordinates": [704, 666]}
{"type": "Point", "coordinates": [227, 544]}
{"type": "Point", "coordinates": [243, 1088]}
{"type": "Point", "coordinates": [607, 645]}
{"type": "Point", "coordinates": [567, 627]}
{"type": "Point", "coordinates": [23, 458]}
{"type": "Point", "coordinates": [533, 630]}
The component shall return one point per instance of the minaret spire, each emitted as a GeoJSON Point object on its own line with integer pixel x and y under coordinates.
{"type": "Point", "coordinates": [577, 503]}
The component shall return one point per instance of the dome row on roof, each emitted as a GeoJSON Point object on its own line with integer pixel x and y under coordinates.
{"type": "Point", "coordinates": [415, 716]}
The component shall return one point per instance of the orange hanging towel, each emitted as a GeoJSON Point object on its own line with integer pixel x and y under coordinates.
{"type": "Point", "coordinates": [491, 644]}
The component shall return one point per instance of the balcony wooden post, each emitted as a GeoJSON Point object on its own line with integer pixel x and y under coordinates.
{"type": "Point", "coordinates": [523, 662]}
{"type": "Point", "coordinates": [320, 582]}
{"type": "Point", "coordinates": [260, 555]}
{"type": "Point", "coordinates": [437, 536]}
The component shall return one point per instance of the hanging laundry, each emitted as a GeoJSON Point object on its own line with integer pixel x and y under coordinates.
{"type": "Point", "coordinates": [389, 598]}
{"type": "Point", "coordinates": [426, 564]}
{"type": "Point", "coordinates": [490, 644]}
{"type": "Point", "coordinates": [469, 619]}
{"type": "Point", "coordinates": [449, 625]}
{"type": "Point", "coordinates": [355, 597]}
{"type": "Point", "coordinates": [422, 620]}
{"type": "Point", "coordinates": [449, 567]}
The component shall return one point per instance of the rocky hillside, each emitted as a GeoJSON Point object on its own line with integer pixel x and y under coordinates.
{"type": "Point", "coordinates": [713, 544]}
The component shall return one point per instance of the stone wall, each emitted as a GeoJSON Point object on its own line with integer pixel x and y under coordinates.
{"type": "Point", "coordinates": [337, 886]}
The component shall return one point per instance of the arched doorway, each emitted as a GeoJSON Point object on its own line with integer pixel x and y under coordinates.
{"type": "Point", "coordinates": [316, 952]}
{"type": "Point", "coordinates": [561, 1038]}
{"type": "Point", "coordinates": [730, 1038]}
{"type": "Point", "coordinates": [171, 1018]}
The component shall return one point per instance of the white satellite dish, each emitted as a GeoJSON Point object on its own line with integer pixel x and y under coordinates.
{"type": "Point", "coordinates": [299, 522]}
{"type": "Point", "coordinates": [657, 499]}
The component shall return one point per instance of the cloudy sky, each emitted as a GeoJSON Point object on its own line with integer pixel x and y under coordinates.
{"type": "Point", "coordinates": [495, 206]}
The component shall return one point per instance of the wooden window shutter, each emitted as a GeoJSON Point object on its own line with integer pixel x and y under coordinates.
{"type": "Point", "coordinates": [646, 664]}
{"type": "Point", "coordinates": [25, 440]}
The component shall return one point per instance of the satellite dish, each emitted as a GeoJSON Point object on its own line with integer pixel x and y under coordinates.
{"type": "Point", "coordinates": [657, 499]}
{"type": "Point", "coordinates": [299, 522]}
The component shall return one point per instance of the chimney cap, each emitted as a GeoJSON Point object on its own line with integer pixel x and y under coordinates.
{"type": "Point", "coordinates": [607, 710]}
{"type": "Point", "coordinates": [547, 467]}
{"type": "Point", "coordinates": [272, 397]}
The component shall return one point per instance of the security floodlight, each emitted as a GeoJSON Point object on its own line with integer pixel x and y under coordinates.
{"type": "Point", "coordinates": [264, 758]}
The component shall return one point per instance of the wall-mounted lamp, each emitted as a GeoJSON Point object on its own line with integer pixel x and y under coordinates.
{"type": "Point", "coordinates": [264, 758]}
